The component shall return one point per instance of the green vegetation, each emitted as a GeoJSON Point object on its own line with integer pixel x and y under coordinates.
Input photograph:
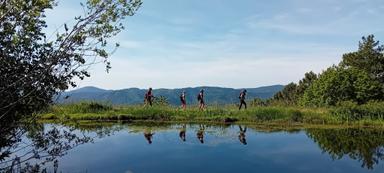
{"type": "Point", "coordinates": [337, 84]}
{"type": "Point", "coordinates": [36, 65]}
{"type": "Point", "coordinates": [368, 114]}
{"type": "Point", "coordinates": [352, 90]}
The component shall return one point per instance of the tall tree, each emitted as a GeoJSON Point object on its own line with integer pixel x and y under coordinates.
{"type": "Point", "coordinates": [288, 95]}
{"type": "Point", "coordinates": [292, 92]}
{"type": "Point", "coordinates": [34, 68]}
{"type": "Point", "coordinates": [369, 57]}
{"type": "Point", "coordinates": [306, 82]}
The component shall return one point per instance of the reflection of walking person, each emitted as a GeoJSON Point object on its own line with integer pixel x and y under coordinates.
{"type": "Point", "coordinates": [242, 135]}
{"type": "Point", "coordinates": [242, 99]}
{"type": "Point", "coordinates": [183, 100]}
{"type": "Point", "coordinates": [200, 134]}
{"type": "Point", "coordinates": [148, 136]}
{"type": "Point", "coordinates": [182, 133]}
{"type": "Point", "coordinates": [148, 97]}
{"type": "Point", "coordinates": [200, 99]}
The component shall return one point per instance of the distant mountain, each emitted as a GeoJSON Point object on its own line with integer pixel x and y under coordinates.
{"type": "Point", "coordinates": [89, 89]}
{"type": "Point", "coordinates": [213, 95]}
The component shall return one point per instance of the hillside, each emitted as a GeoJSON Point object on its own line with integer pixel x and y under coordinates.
{"type": "Point", "coordinates": [214, 95]}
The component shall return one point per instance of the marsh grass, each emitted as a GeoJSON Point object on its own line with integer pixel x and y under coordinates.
{"type": "Point", "coordinates": [227, 114]}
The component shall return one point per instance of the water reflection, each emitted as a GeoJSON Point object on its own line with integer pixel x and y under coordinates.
{"type": "Point", "coordinates": [200, 133]}
{"type": "Point", "coordinates": [182, 132]}
{"type": "Point", "coordinates": [38, 147]}
{"type": "Point", "coordinates": [28, 147]}
{"type": "Point", "coordinates": [364, 145]}
{"type": "Point", "coordinates": [242, 135]}
{"type": "Point", "coordinates": [148, 135]}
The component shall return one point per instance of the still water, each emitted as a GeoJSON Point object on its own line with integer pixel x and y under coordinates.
{"type": "Point", "coordinates": [140, 148]}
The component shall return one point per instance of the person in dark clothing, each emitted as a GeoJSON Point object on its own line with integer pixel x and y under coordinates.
{"type": "Point", "coordinates": [183, 100]}
{"type": "Point", "coordinates": [200, 99]}
{"type": "Point", "coordinates": [242, 99]}
{"type": "Point", "coordinates": [148, 98]}
{"type": "Point", "coordinates": [242, 135]}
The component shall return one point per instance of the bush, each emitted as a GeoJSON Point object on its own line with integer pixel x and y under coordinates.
{"type": "Point", "coordinates": [296, 116]}
{"type": "Point", "coordinates": [87, 107]}
{"type": "Point", "coordinates": [338, 84]}
{"type": "Point", "coordinates": [258, 102]}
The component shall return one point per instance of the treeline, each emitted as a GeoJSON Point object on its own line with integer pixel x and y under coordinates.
{"type": "Point", "coordinates": [358, 79]}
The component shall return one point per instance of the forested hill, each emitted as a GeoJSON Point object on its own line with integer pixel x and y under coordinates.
{"type": "Point", "coordinates": [214, 95]}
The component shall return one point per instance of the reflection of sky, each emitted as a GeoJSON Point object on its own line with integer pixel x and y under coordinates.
{"type": "Point", "coordinates": [221, 152]}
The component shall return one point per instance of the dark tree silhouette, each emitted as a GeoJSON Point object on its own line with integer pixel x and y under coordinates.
{"type": "Point", "coordinates": [35, 68]}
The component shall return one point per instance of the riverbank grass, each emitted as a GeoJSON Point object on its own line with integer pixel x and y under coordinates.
{"type": "Point", "coordinates": [225, 114]}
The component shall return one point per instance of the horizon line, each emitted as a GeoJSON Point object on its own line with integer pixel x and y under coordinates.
{"type": "Point", "coordinates": [77, 88]}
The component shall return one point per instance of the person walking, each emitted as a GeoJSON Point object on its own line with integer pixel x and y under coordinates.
{"type": "Point", "coordinates": [200, 99]}
{"type": "Point", "coordinates": [183, 100]}
{"type": "Point", "coordinates": [148, 98]}
{"type": "Point", "coordinates": [242, 99]}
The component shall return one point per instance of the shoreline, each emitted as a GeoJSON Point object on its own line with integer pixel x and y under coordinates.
{"type": "Point", "coordinates": [269, 125]}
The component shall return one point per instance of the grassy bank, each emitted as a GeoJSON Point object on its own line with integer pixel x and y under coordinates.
{"type": "Point", "coordinates": [268, 114]}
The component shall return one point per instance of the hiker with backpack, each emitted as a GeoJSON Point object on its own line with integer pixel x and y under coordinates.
{"type": "Point", "coordinates": [242, 99]}
{"type": "Point", "coordinates": [200, 99]}
{"type": "Point", "coordinates": [148, 98]}
{"type": "Point", "coordinates": [183, 100]}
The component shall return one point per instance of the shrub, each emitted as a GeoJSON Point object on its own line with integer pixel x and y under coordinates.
{"type": "Point", "coordinates": [296, 116]}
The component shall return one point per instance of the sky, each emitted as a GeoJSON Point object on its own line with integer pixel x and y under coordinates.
{"type": "Point", "coordinates": [226, 43]}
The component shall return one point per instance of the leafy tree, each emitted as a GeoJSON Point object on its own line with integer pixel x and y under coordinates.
{"type": "Point", "coordinates": [338, 84]}
{"type": "Point", "coordinates": [293, 92]}
{"type": "Point", "coordinates": [34, 68]}
{"type": "Point", "coordinates": [306, 82]}
{"type": "Point", "coordinates": [288, 95]}
{"type": "Point", "coordinates": [369, 57]}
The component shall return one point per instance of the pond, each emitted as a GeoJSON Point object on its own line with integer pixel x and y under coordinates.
{"type": "Point", "coordinates": [140, 148]}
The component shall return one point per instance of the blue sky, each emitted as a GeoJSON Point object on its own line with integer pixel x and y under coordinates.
{"type": "Point", "coordinates": [245, 43]}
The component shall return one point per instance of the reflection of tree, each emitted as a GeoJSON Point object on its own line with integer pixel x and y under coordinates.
{"type": "Point", "coordinates": [101, 129]}
{"type": "Point", "coordinates": [364, 145]}
{"type": "Point", "coordinates": [26, 148]}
